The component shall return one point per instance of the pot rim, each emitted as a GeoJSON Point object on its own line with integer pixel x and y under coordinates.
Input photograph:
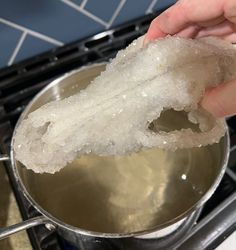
{"type": "Point", "coordinates": [66, 226]}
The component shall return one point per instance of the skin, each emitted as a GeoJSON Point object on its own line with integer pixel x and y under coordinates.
{"type": "Point", "coordinates": [199, 18]}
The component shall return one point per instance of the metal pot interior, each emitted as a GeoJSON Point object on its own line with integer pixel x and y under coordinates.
{"type": "Point", "coordinates": [124, 194]}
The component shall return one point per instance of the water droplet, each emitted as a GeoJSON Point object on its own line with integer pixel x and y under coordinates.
{"type": "Point", "coordinates": [19, 145]}
{"type": "Point", "coordinates": [184, 177]}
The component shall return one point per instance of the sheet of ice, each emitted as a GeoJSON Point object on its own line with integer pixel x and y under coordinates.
{"type": "Point", "coordinates": [112, 115]}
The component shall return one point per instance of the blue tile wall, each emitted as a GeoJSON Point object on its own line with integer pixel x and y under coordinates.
{"type": "Point", "coordinates": [162, 4]}
{"type": "Point", "coordinates": [77, 1]}
{"type": "Point", "coordinates": [8, 39]}
{"type": "Point", "coordinates": [32, 46]}
{"type": "Point", "coordinates": [29, 27]}
{"type": "Point", "coordinates": [103, 9]}
{"type": "Point", "coordinates": [132, 10]}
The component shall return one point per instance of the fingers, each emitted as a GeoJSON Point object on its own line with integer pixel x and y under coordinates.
{"type": "Point", "coordinates": [190, 31]}
{"type": "Point", "coordinates": [225, 30]}
{"type": "Point", "coordinates": [170, 22]}
{"type": "Point", "coordinates": [184, 14]}
{"type": "Point", "coordinates": [222, 29]}
{"type": "Point", "coordinates": [230, 10]}
{"type": "Point", "coordinates": [231, 37]}
{"type": "Point", "coordinates": [221, 101]}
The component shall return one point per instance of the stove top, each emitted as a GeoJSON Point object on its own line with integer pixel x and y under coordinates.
{"type": "Point", "coordinates": [20, 82]}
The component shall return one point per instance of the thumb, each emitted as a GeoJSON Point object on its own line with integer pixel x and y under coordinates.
{"type": "Point", "coordinates": [221, 100]}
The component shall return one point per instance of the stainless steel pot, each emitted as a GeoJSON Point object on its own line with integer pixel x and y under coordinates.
{"type": "Point", "coordinates": [174, 217]}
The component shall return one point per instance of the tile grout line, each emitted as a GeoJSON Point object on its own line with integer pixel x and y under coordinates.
{"type": "Point", "coordinates": [85, 12]}
{"type": "Point", "coordinates": [95, 18]}
{"type": "Point", "coordinates": [31, 32]}
{"type": "Point", "coordinates": [17, 48]}
{"type": "Point", "coordinates": [116, 13]}
{"type": "Point", "coordinates": [83, 3]}
{"type": "Point", "coordinates": [150, 7]}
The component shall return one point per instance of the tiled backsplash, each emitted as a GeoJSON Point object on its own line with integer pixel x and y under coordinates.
{"type": "Point", "coordinates": [29, 27]}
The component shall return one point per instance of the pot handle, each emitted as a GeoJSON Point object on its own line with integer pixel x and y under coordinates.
{"type": "Point", "coordinates": [4, 157]}
{"type": "Point", "coordinates": [7, 231]}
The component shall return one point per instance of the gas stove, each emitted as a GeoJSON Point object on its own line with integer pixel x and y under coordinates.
{"type": "Point", "coordinates": [21, 82]}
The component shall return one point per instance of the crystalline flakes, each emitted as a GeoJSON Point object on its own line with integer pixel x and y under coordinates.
{"type": "Point", "coordinates": [112, 115]}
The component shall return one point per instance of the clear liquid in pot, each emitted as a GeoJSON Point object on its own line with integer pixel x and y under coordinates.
{"type": "Point", "coordinates": [125, 194]}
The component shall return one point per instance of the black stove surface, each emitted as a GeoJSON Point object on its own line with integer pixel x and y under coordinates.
{"type": "Point", "coordinates": [20, 82]}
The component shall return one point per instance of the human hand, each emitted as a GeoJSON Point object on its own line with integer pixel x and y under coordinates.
{"type": "Point", "coordinates": [199, 18]}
